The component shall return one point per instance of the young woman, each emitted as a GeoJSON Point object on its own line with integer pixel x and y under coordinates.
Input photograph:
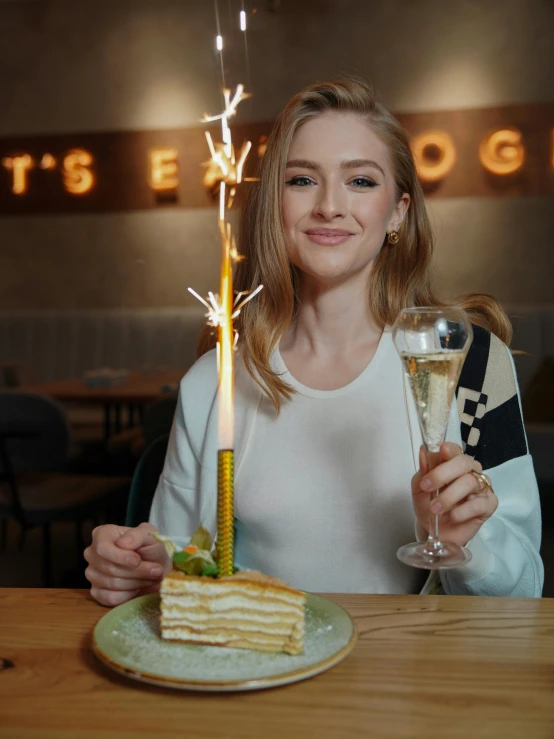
{"type": "Point", "coordinates": [327, 444]}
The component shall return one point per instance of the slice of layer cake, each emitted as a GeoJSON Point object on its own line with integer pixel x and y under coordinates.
{"type": "Point", "coordinates": [247, 610]}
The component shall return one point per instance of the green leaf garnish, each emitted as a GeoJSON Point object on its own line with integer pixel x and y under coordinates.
{"type": "Point", "coordinates": [200, 561]}
{"type": "Point", "coordinates": [209, 570]}
{"type": "Point", "coordinates": [187, 564]}
{"type": "Point", "coordinates": [202, 539]}
{"type": "Point", "coordinates": [169, 546]}
{"type": "Point", "coordinates": [179, 558]}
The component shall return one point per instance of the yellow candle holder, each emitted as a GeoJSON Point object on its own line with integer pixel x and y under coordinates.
{"type": "Point", "coordinates": [225, 511]}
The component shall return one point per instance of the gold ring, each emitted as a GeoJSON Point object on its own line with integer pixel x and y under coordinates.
{"type": "Point", "coordinates": [484, 480]}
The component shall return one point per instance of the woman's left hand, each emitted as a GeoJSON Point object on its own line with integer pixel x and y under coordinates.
{"type": "Point", "coordinates": [464, 502]}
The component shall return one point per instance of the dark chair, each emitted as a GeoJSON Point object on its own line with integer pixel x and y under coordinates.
{"type": "Point", "coordinates": [156, 422]}
{"type": "Point", "coordinates": [35, 440]}
{"type": "Point", "coordinates": [145, 481]}
{"type": "Point", "coordinates": [158, 419]}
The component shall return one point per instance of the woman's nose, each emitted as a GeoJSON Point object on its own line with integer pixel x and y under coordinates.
{"type": "Point", "coordinates": [331, 203]}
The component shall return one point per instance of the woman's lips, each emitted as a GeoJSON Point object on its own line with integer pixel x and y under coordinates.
{"type": "Point", "coordinates": [329, 236]}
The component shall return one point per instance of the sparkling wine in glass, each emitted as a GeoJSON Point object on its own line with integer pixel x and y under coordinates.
{"type": "Point", "coordinates": [433, 343]}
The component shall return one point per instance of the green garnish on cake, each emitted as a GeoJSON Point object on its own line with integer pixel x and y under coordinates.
{"type": "Point", "coordinates": [199, 557]}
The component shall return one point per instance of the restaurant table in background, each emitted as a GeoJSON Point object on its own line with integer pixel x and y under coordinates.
{"type": "Point", "coordinates": [134, 392]}
{"type": "Point", "coordinates": [438, 666]}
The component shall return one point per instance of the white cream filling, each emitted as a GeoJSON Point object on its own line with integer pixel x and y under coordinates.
{"type": "Point", "coordinates": [228, 603]}
{"type": "Point", "coordinates": [218, 588]}
{"type": "Point", "coordinates": [236, 626]}
{"type": "Point", "coordinates": [185, 634]}
{"type": "Point", "coordinates": [176, 612]}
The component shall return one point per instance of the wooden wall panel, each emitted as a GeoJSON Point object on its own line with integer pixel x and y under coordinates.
{"type": "Point", "coordinates": [467, 129]}
{"type": "Point", "coordinates": [121, 162]}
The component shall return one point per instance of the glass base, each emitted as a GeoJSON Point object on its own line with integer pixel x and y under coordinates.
{"type": "Point", "coordinates": [428, 556]}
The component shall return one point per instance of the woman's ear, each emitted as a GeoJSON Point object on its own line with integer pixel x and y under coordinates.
{"type": "Point", "coordinates": [400, 210]}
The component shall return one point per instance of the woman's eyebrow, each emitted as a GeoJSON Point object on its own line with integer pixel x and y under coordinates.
{"type": "Point", "coordinates": [302, 164]}
{"type": "Point", "coordinates": [356, 163]}
{"type": "Point", "coordinates": [348, 164]}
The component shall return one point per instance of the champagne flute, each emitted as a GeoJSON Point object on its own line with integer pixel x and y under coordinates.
{"type": "Point", "coordinates": [433, 344]}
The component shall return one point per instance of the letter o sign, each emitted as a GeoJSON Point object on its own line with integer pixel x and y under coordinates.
{"type": "Point", "coordinates": [435, 155]}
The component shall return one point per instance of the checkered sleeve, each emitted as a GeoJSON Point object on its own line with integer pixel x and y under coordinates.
{"type": "Point", "coordinates": [488, 404]}
{"type": "Point", "coordinates": [506, 559]}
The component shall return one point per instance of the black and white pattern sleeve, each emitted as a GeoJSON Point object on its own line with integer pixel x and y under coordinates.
{"type": "Point", "coordinates": [506, 559]}
{"type": "Point", "coordinates": [488, 403]}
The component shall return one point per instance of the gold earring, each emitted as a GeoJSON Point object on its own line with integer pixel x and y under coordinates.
{"type": "Point", "coordinates": [393, 237]}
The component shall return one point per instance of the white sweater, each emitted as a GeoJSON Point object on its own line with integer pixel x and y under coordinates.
{"type": "Point", "coordinates": [322, 492]}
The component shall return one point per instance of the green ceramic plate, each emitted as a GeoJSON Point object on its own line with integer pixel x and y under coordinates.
{"type": "Point", "coordinates": [128, 640]}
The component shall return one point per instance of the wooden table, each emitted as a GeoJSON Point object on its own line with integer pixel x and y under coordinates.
{"type": "Point", "coordinates": [424, 666]}
{"type": "Point", "coordinates": [138, 389]}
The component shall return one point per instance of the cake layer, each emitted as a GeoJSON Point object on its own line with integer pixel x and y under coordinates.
{"type": "Point", "coordinates": [242, 622]}
{"type": "Point", "coordinates": [238, 640]}
{"type": "Point", "coordinates": [226, 633]}
{"type": "Point", "coordinates": [172, 585]}
{"type": "Point", "coordinates": [265, 621]}
{"type": "Point", "coordinates": [205, 603]}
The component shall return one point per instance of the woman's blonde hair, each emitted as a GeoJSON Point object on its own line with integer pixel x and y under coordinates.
{"type": "Point", "coordinates": [400, 276]}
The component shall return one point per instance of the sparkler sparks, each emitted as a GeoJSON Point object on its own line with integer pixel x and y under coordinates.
{"type": "Point", "coordinates": [224, 174]}
{"type": "Point", "coordinates": [228, 171]}
{"type": "Point", "coordinates": [225, 166]}
{"type": "Point", "coordinates": [230, 105]}
{"type": "Point", "coordinates": [216, 313]}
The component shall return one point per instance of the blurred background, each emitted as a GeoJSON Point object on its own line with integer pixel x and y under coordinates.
{"type": "Point", "coordinates": [105, 219]}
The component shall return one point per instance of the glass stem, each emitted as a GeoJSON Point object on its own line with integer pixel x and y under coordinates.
{"type": "Point", "coordinates": [434, 522]}
{"type": "Point", "coordinates": [433, 545]}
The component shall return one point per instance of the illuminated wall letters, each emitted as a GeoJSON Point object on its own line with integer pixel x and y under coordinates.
{"type": "Point", "coordinates": [433, 168]}
{"type": "Point", "coordinates": [502, 152]}
{"type": "Point", "coordinates": [163, 169]}
{"type": "Point", "coordinates": [19, 166]}
{"type": "Point", "coordinates": [47, 162]}
{"type": "Point", "coordinates": [77, 178]}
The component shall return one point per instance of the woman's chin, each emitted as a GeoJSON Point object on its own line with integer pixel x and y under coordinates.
{"type": "Point", "coordinates": [329, 273]}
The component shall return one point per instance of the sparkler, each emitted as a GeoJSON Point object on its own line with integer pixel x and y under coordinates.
{"type": "Point", "coordinates": [223, 309]}
{"type": "Point", "coordinates": [224, 165]}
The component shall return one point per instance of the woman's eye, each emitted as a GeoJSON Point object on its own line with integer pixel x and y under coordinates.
{"type": "Point", "coordinates": [363, 182]}
{"type": "Point", "coordinates": [299, 181]}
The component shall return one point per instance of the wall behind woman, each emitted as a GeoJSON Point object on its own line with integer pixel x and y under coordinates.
{"type": "Point", "coordinates": [99, 65]}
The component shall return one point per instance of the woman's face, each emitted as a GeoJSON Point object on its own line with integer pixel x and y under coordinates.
{"type": "Point", "coordinates": [339, 199]}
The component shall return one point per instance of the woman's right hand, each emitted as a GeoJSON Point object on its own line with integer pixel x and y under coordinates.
{"type": "Point", "coordinates": [124, 562]}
